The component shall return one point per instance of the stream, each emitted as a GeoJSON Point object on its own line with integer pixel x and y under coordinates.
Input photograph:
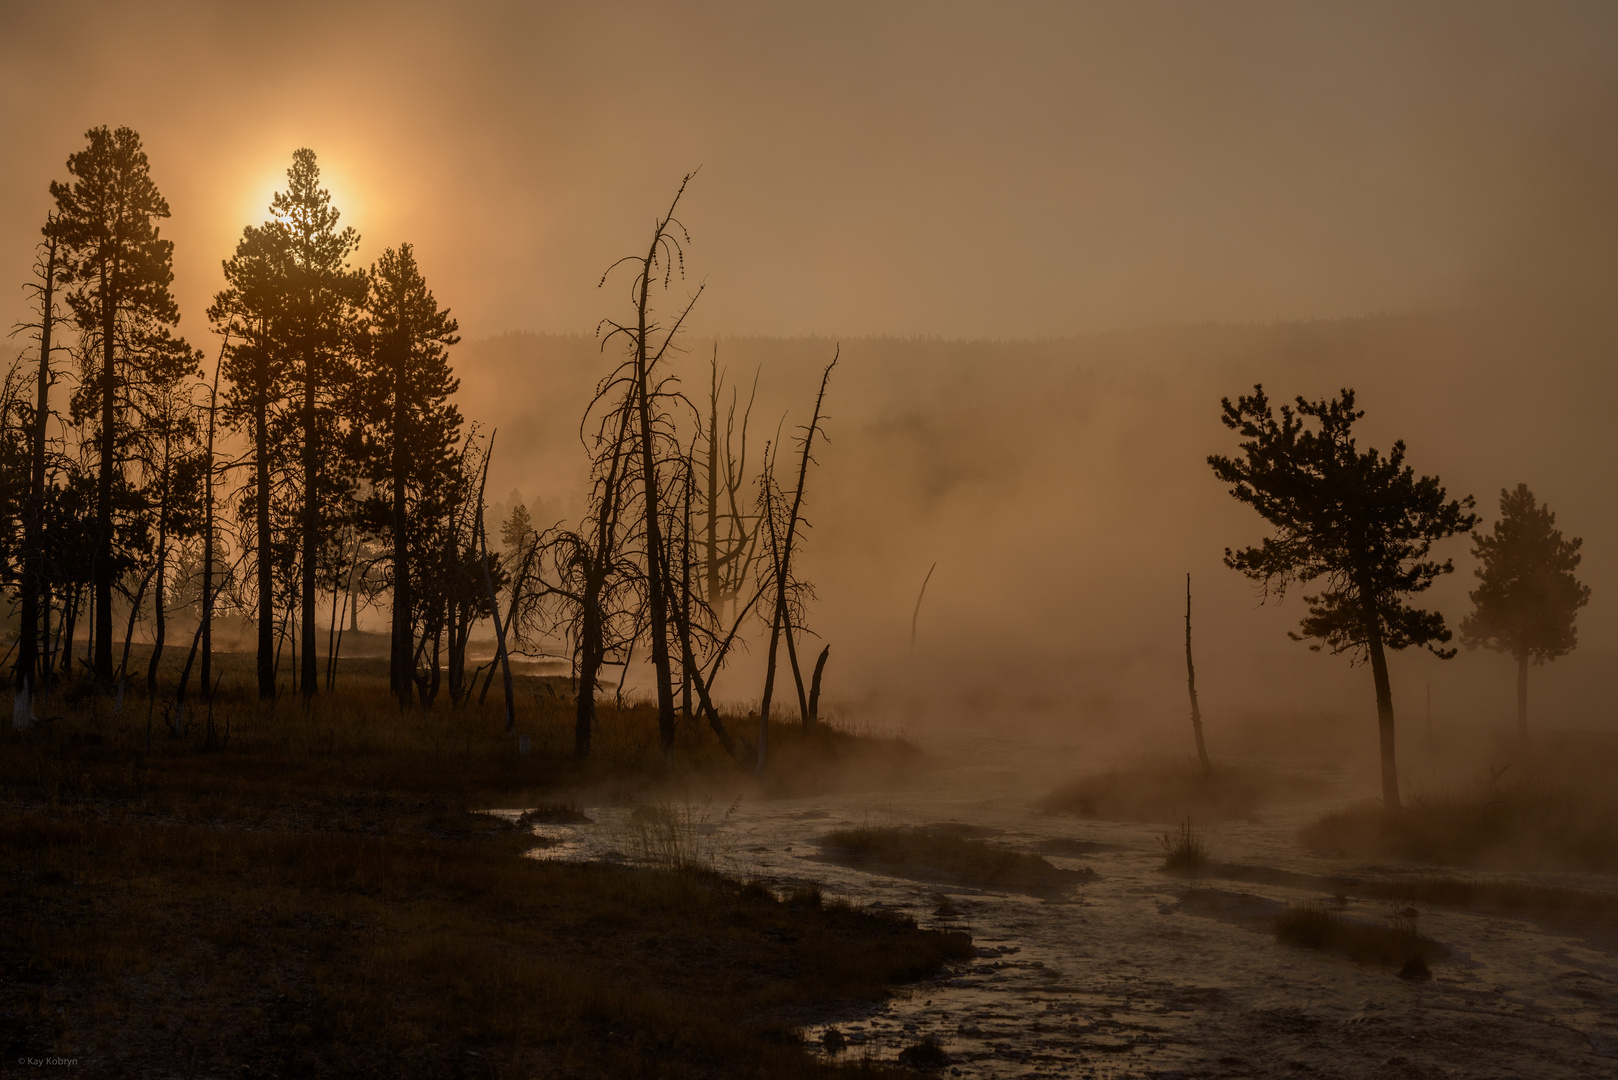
{"type": "Point", "coordinates": [1128, 975]}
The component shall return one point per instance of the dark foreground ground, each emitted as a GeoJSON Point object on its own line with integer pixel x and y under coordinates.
{"type": "Point", "coordinates": [320, 897]}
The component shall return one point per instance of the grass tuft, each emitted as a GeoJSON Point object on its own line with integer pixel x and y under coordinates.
{"type": "Point", "coordinates": [1185, 851]}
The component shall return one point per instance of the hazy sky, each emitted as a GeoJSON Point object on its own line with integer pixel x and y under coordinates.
{"type": "Point", "coordinates": [952, 169]}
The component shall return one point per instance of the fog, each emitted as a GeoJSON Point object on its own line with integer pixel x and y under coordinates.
{"type": "Point", "coordinates": [1048, 239]}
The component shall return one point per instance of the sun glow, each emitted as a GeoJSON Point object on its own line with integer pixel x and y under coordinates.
{"type": "Point", "coordinates": [271, 178]}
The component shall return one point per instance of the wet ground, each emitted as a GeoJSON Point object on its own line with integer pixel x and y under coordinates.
{"type": "Point", "coordinates": [1133, 975]}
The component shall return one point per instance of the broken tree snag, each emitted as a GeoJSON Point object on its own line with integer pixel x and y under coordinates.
{"type": "Point", "coordinates": [1191, 685]}
{"type": "Point", "coordinates": [814, 687]}
{"type": "Point", "coordinates": [494, 600]}
{"type": "Point", "coordinates": [916, 614]}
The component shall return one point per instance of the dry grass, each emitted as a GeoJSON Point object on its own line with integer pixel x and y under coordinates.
{"type": "Point", "coordinates": [316, 900]}
{"type": "Point", "coordinates": [947, 854]}
{"type": "Point", "coordinates": [1170, 790]}
{"type": "Point", "coordinates": [1313, 926]}
{"type": "Point", "coordinates": [1185, 851]}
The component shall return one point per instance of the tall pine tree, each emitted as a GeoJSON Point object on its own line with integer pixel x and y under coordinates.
{"type": "Point", "coordinates": [120, 269]}
{"type": "Point", "coordinates": [290, 310]}
{"type": "Point", "coordinates": [407, 427]}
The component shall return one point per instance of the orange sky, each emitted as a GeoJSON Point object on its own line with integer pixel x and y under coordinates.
{"type": "Point", "coordinates": [954, 169]}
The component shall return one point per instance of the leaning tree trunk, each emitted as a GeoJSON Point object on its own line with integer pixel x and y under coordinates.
{"type": "Point", "coordinates": [1191, 685]}
{"type": "Point", "coordinates": [1522, 699]}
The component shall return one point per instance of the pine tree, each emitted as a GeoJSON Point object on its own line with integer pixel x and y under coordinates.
{"type": "Point", "coordinates": [408, 427]}
{"type": "Point", "coordinates": [120, 268]}
{"type": "Point", "coordinates": [1361, 523]}
{"type": "Point", "coordinates": [1527, 598]}
{"type": "Point", "coordinates": [319, 313]}
{"type": "Point", "coordinates": [289, 310]}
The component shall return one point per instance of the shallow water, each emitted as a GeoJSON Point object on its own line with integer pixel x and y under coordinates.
{"type": "Point", "coordinates": [1128, 976]}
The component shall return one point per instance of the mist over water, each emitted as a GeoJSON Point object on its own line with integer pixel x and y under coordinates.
{"type": "Point", "coordinates": [1062, 489]}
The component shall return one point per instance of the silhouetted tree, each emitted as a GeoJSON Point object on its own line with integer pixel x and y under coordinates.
{"type": "Point", "coordinates": [595, 574]}
{"type": "Point", "coordinates": [250, 312]}
{"type": "Point", "coordinates": [1191, 687]}
{"type": "Point", "coordinates": [783, 534]}
{"type": "Point", "coordinates": [408, 426]}
{"type": "Point", "coordinates": [1527, 598]}
{"type": "Point", "coordinates": [121, 268]}
{"type": "Point", "coordinates": [172, 458]}
{"type": "Point", "coordinates": [1358, 522]}
{"type": "Point", "coordinates": [33, 640]}
{"type": "Point", "coordinates": [322, 298]}
{"type": "Point", "coordinates": [652, 431]}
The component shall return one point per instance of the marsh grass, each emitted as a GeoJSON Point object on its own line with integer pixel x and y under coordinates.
{"type": "Point", "coordinates": [675, 836]}
{"type": "Point", "coordinates": [1399, 944]}
{"type": "Point", "coordinates": [316, 899]}
{"type": "Point", "coordinates": [1185, 851]}
{"type": "Point", "coordinates": [947, 854]}
{"type": "Point", "coordinates": [1168, 790]}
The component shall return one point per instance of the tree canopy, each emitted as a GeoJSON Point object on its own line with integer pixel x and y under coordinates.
{"type": "Point", "coordinates": [1527, 598]}
{"type": "Point", "coordinates": [1360, 523]}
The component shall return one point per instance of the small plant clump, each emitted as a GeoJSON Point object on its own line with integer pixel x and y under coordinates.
{"type": "Point", "coordinates": [927, 1055]}
{"type": "Point", "coordinates": [1185, 851]}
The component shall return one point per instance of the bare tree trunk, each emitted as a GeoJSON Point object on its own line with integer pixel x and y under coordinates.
{"type": "Point", "coordinates": [1191, 685]}
{"type": "Point", "coordinates": [103, 567]}
{"type": "Point", "coordinates": [159, 622]}
{"type": "Point", "coordinates": [331, 629]}
{"type": "Point", "coordinates": [1384, 704]}
{"type": "Point", "coordinates": [122, 674]}
{"type": "Point", "coordinates": [654, 526]}
{"type": "Point", "coordinates": [269, 651]}
{"type": "Point", "coordinates": [685, 596]}
{"type": "Point", "coordinates": [399, 650]}
{"type": "Point", "coordinates": [797, 673]}
{"type": "Point", "coordinates": [814, 687]}
{"type": "Point", "coordinates": [207, 540]}
{"type": "Point", "coordinates": [769, 690]}
{"type": "Point", "coordinates": [781, 552]}
{"type": "Point", "coordinates": [311, 528]}
{"type": "Point", "coordinates": [1522, 699]}
{"type": "Point", "coordinates": [29, 666]}
{"type": "Point", "coordinates": [712, 540]}
{"type": "Point", "coordinates": [494, 601]}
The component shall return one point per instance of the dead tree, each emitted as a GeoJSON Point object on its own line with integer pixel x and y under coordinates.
{"type": "Point", "coordinates": [652, 431]}
{"type": "Point", "coordinates": [494, 603]}
{"type": "Point", "coordinates": [783, 542]}
{"type": "Point", "coordinates": [1191, 685]}
{"type": "Point", "coordinates": [29, 667]}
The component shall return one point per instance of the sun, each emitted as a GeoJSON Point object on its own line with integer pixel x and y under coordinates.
{"type": "Point", "coordinates": [272, 178]}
